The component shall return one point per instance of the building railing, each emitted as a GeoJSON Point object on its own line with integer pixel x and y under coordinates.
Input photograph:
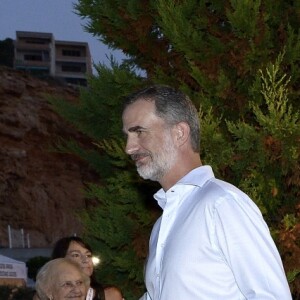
{"type": "Point", "coordinates": [71, 74]}
{"type": "Point", "coordinates": [61, 58]}
{"type": "Point", "coordinates": [29, 46]}
{"type": "Point", "coordinates": [33, 63]}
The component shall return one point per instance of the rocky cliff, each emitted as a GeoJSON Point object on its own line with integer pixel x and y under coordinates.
{"type": "Point", "coordinates": [40, 190]}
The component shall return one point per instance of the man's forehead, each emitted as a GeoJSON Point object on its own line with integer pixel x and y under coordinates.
{"type": "Point", "coordinates": [140, 104]}
{"type": "Point", "coordinates": [137, 113]}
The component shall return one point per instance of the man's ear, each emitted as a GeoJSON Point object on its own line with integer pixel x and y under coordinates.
{"type": "Point", "coordinates": [182, 133]}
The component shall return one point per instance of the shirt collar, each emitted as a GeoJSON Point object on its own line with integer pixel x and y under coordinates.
{"type": "Point", "coordinates": [196, 177]}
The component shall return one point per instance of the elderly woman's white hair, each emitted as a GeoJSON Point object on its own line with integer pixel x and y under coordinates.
{"type": "Point", "coordinates": [47, 276]}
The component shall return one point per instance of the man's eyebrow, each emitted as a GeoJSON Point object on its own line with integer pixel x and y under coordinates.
{"type": "Point", "coordinates": [135, 128]}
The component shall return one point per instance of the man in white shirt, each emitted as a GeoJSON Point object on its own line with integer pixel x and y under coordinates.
{"type": "Point", "coordinates": [211, 241]}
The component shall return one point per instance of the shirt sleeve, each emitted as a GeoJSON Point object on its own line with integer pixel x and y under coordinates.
{"type": "Point", "coordinates": [247, 247]}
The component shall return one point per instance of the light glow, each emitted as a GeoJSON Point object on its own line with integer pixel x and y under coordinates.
{"type": "Point", "coordinates": [96, 260]}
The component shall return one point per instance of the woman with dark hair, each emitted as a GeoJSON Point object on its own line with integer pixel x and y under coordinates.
{"type": "Point", "coordinates": [76, 249]}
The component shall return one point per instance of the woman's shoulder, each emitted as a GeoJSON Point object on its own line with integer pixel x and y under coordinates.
{"type": "Point", "coordinates": [113, 293]}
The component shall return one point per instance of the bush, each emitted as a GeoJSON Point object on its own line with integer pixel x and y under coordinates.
{"type": "Point", "coordinates": [5, 291]}
{"type": "Point", "coordinates": [34, 264]}
{"type": "Point", "coordinates": [10, 292]}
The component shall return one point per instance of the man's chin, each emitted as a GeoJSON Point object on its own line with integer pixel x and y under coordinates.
{"type": "Point", "coordinates": [143, 173]}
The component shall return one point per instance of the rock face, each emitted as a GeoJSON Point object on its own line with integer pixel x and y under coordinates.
{"type": "Point", "coordinates": [40, 190]}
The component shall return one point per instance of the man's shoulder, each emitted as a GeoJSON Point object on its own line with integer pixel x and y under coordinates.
{"type": "Point", "coordinates": [216, 191]}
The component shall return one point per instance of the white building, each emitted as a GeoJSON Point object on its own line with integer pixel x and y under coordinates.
{"type": "Point", "coordinates": [40, 54]}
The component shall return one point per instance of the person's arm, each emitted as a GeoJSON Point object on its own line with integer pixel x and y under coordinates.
{"type": "Point", "coordinates": [249, 250]}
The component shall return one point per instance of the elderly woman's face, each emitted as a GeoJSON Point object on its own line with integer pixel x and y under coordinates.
{"type": "Point", "coordinates": [69, 285]}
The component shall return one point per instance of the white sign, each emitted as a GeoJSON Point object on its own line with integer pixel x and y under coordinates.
{"type": "Point", "coordinates": [13, 269]}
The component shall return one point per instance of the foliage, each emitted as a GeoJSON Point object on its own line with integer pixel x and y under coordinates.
{"type": "Point", "coordinates": [213, 47]}
{"type": "Point", "coordinates": [268, 163]}
{"type": "Point", "coordinates": [289, 245]}
{"type": "Point", "coordinates": [16, 293]}
{"type": "Point", "coordinates": [216, 150]}
{"type": "Point", "coordinates": [268, 150]}
{"type": "Point", "coordinates": [34, 264]}
{"type": "Point", "coordinates": [23, 293]}
{"type": "Point", "coordinates": [239, 62]}
{"type": "Point", "coordinates": [7, 52]}
{"type": "Point", "coordinates": [5, 291]}
{"type": "Point", "coordinates": [103, 95]}
{"type": "Point", "coordinates": [121, 241]}
{"type": "Point", "coordinates": [90, 115]}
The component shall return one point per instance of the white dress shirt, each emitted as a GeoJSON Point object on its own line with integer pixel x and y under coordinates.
{"type": "Point", "coordinates": [211, 243]}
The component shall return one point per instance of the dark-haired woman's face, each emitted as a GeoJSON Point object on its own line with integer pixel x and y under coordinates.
{"type": "Point", "coordinates": [82, 256]}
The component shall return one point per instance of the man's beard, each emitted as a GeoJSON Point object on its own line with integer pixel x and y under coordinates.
{"type": "Point", "coordinates": [160, 162]}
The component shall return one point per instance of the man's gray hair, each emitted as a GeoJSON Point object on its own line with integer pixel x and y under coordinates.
{"type": "Point", "coordinates": [173, 106]}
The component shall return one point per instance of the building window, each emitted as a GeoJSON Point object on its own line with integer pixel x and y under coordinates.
{"type": "Point", "coordinates": [37, 56]}
{"type": "Point", "coordinates": [70, 52]}
{"type": "Point", "coordinates": [76, 81]}
{"type": "Point", "coordinates": [71, 68]}
{"type": "Point", "coordinates": [46, 55]}
{"type": "Point", "coordinates": [33, 57]}
{"type": "Point", "coordinates": [37, 41]}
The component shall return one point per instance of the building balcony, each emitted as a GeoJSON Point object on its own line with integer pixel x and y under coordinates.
{"type": "Point", "coordinates": [70, 74]}
{"type": "Point", "coordinates": [31, 63]}
{"type": "Point", "coordinates": [19, 46]}
{"type": "Point", "coordinates": [73, 59]}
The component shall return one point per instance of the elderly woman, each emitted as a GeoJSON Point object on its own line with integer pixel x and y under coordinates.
{"type": "Point", "coordinates": [76, 249]}
{"type": "Point", "coordinates": [60, 279]}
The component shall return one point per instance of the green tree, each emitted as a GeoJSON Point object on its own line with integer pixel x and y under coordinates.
{"type": "Point", "coordinates": [34, 264]}
{"type": "Point", "coordinates": [7, 52]}
{"type": "Point", "coordinates": [239, 62]}
{"type": "Point", "coordinates": [121, 211]}
{"type": "Point", "coordinates": [212, 48]}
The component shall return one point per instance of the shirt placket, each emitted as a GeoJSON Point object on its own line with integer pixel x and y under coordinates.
{"type": "Point", "coordinates": [167, 221]}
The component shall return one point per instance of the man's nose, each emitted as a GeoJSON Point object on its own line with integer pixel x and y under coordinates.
{"type": "Point", "coordinates": [131, 145]}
